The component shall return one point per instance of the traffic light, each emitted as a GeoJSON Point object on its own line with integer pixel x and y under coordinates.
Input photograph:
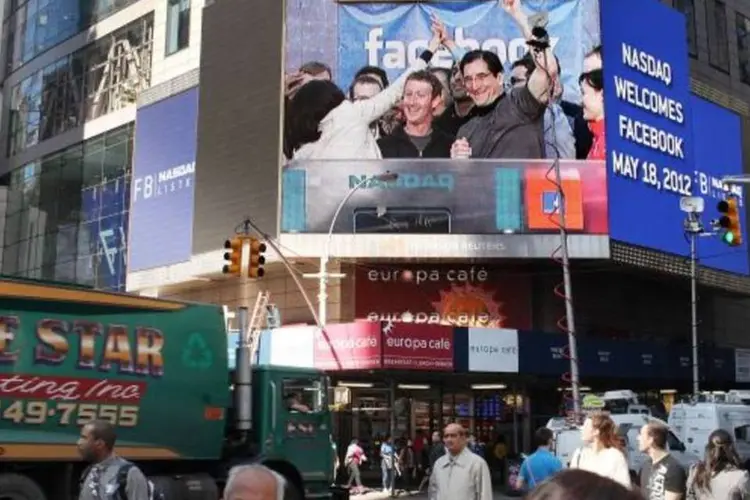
{"type": "Point", "coordinates": [233, 257]}
{"type": "Point", "coordinates": [255, 269]}
{"type": "Point", "coordinates": [729, 222]}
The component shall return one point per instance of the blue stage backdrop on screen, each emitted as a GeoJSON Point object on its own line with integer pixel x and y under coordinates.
{"type": "Point", "coordinates": [161, 208]}
{"type": "Point", "coordinates": [652, 125]}
{"type": "Point", "coordinates": [391, 35]}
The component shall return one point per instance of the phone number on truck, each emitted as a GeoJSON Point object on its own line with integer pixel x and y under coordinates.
{"type": "Point", "coordinates": [66, 413]}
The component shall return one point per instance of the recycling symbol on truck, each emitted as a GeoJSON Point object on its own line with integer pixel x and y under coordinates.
{"type": "Point", "coordinates": [197, 354]}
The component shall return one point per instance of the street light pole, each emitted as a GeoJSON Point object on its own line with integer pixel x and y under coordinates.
{"type": "Point", "coordinates": [693, 206]}
{"type": "Point", "coordinates": [694, 308]}
{"type": "Point", "coordinates": [323, 275]}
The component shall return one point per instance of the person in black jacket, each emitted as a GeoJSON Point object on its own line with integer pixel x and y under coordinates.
{"type": "Point", "coordinates": [417, 138]}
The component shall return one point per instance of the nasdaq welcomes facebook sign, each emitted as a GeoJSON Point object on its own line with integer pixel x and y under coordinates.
{"type": "Point", "coordinates": [161, 213]}
{"type": "Point", "coordinates": [662, 142]}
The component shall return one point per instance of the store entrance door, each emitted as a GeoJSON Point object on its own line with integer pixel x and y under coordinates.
{"type": "Point", "coordinates": [371, 422]}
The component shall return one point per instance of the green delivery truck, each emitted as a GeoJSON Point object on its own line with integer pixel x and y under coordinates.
{"type": "Point", "coordinates": [157, 370]}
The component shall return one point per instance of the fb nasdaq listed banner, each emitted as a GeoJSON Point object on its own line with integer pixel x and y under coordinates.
{"type": "Point", "coordinates": [393, 35]}
{"type": "Point", "coordinates": [161, 213]}
{"type": "Point", "coordinates": [648, 127]}
{"type": "Point", "coordinates": [717, 151]}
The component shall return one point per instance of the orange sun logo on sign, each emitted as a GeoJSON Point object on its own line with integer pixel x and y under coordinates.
{"type": "Point", "coordinates": [468, 306]}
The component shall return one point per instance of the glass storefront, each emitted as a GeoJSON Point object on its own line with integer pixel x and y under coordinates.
{"type": "Point", "coordinates": [103, 77]}
{"type": "Point", "coordinates": [67, 214]}
{"type": "Point", "coordinates": [34, 26]}
{"type": "Point", "coordinates": [489, 415]}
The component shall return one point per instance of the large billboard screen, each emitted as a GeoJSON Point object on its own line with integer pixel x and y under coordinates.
{"type": "Point", "coordinates": [403, 152]}
{"type": "Point", "coordinates": [663, 143]}
{"type": "Point", "coordinates": [161, 207]}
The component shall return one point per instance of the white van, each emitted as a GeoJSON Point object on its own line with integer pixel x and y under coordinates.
{"type": "Point", "coordinates": [694, 422]}
{"type": "Point", "coordinates": [568, 439]}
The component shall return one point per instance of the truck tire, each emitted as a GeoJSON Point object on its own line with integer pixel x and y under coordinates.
{"type": "Point", "coordinates": [18, 487]}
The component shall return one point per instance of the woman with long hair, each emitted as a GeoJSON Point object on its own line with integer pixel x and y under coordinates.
{"type": "Point", "coordinates": [581, 485]}
{"type": "Point", "coordinates": [322, 124]}
{"type": "Point", "coordinates": [720, 475]}
{"type": "Point", "coordinates": [603, 451]}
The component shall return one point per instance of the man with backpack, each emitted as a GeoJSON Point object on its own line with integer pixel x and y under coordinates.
{"type": "Point", "coordinates": [541, 464]}
{"type": "Point", "coordinates": [109, 477]}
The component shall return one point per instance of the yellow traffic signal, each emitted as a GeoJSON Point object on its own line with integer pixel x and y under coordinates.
{"type": "Point", "coordinates": [233, 257]}
{"type": "Point", "coordinates": [729, 222]}
{"type": "Point", "coordinates": [255, 269]}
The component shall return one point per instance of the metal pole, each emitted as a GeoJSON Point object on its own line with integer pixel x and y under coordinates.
{"type": "Point", "coordinates": [568, 289]}
{"type": "Point", "coordinates": [289, 268]}
{"type": "Point", "coordinates": [243, 377]}
{"type": "Point", "coordinates": [323, 275]}
{"type": "Point", "coordinates": [694, 308]}
{"type": "Point", "coordinates": [323, 288]}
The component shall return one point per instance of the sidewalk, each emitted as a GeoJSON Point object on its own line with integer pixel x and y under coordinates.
{"type": "Point", "coordinates": [379, 495]}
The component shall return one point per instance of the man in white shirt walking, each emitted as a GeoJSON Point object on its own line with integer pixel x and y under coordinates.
{"type": "Point", "coordinates": [459, 473]}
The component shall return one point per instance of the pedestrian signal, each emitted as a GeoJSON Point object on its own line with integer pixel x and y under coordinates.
{"type": "Point", "coordinates": [729, 221]}
{"type": "Point", "coordinates": [233, 257]}
{"type": "Point", "coordinates": [257, 259]}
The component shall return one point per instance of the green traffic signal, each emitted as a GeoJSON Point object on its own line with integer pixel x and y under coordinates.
{"type": "Point", "coordinates": [728, 237]}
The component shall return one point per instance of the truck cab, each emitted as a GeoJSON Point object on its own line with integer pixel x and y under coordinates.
{"type": "Point", "coordinates": [292, 425]}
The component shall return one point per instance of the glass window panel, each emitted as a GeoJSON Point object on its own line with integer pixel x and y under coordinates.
{"type": "Point", "coordinates": [124, 231]}
{"type": "Point", "coordinates": [33, 273]}
{"type": "Point", "coordinates": [178, 25]}
{"type": "Point", "coordinates": [717, 32]}
{"type": "Point", "coordinates": [52, 101]}
{"type": "Point", "coordinates": [49, 249]}
{"type": "Point", "coordinates": [112, 243]}
{"type": "Point", "coordinates": [66, 243]}
{"type": "Point", "coordinates": [47, 272]}
{"type": "Point", "coordinates": [15, 201]}
{"type": "Point", "coordinates": [29, 39]}
{"type": "Point", "coordinates": [118, 136]}
{"type": "Point", "coordinates": [116, 159]}
{"type": "Point", "coordinates": [65, 271]}
{"type": "Point", "coordinates": [30, 170]}
{"type": "Point", "coordinates": [687, 7]}
{"type": "Point", "coordinates": [10, 259]}
{"type": "Point", "coordinates": [742, 28]}
{"type": "Point", "coordinates": [49, 195]}
{"type": "Point", "coordinates": [91, 208]}
{"type": "Point", "coordinates": [30, 192]}
{"type": "Point", "coordinates": [29, 255]}
{"type": "Point", "coordinates": [113, 197]}
{"type": "Point", "coordinates": [88, 235]}
{"type": "Point", "coordinates": [42, 24]}
{"type": "Point", "coordinates": [15, 178]}
{"type": "Point", "coordinates": [85, 270]}
{"type": "Point", "coordinates": [29, 222]}
{"type": "Point", "coordinates": [12, 229]}
{"type": "Point", "coordinates": [93, 161]}
{"type": "Point", "coordinates": [71, 182]}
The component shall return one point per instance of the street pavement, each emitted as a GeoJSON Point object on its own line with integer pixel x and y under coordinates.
{"type": "Point", "coordinates": [378, 495]}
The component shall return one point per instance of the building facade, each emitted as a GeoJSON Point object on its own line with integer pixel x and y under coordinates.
{"type": "Point", "coordinates": [78, 80]}
{"type": "Point", "coordinates": [70, 99]}
{"type": "Point", "coordinates": [72, 74]}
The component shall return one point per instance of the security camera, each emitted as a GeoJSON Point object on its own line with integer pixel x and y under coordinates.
{"type": "Point", "coordinates": [692, 204]}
